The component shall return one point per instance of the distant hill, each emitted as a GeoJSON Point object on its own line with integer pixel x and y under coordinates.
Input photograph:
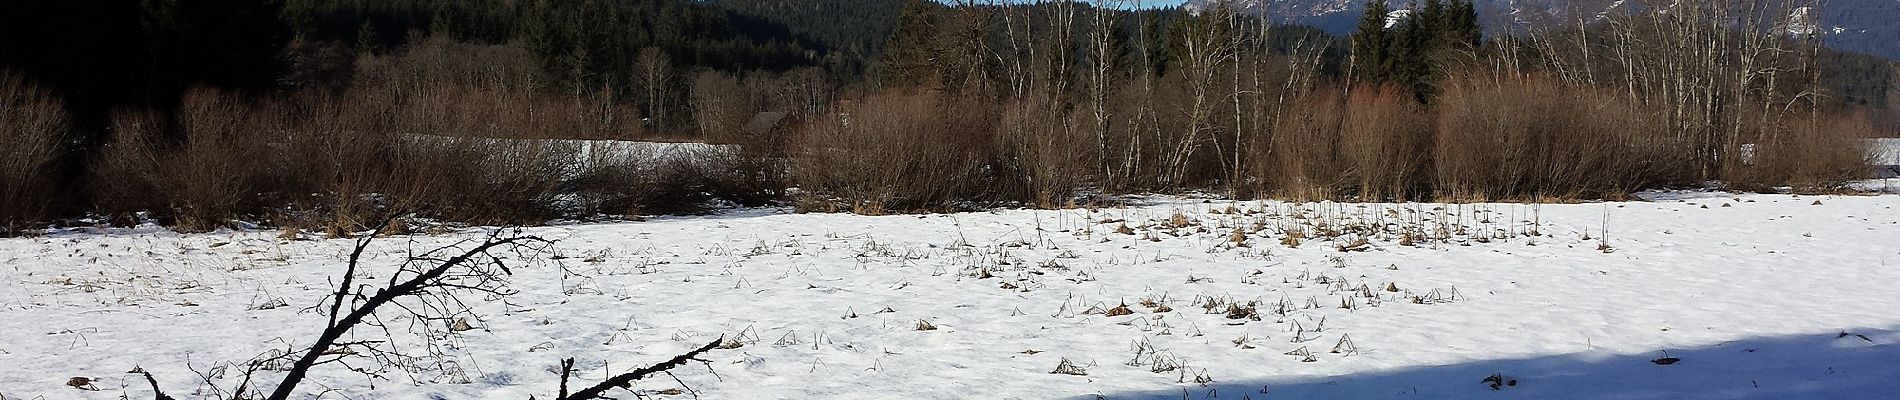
{"type": "Point", "coordinates": [1866, 26]}
{"type": "Point", "coordinates": [846, 25]}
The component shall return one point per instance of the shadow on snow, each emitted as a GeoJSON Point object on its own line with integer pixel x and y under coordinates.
{"type": "Point", "coordinates": [1821, 365]}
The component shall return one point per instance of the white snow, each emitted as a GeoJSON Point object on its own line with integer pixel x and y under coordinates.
{"type": "Point", "coordinates": [591, 154]}
{"type": "Point", "coordinates": [1394, 17]}
{"type": "Point", "coordinates": [1752, 294]}
{"type": "Point", "coordinates": [1884, 151]}
{"type": "Point", "coordinates": [587, 148]}
{"type": "Point", "coordinates": [1801, 22]}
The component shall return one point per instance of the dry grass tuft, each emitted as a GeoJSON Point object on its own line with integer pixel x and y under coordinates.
{"type": "Point", "coordinates": [1292, 238]}
{"type": "Point", "coordinates": [1065, 367]}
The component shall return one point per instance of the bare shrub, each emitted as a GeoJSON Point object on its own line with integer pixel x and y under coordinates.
{"type": "Point", "coordinates": [435, 60]}
{"type": "Point", "coordinates": [449, 110]}
{"type": "Point", "coordinates": [451, 88]}
{"type": "Point", "coordinates": [1384, 145]}
{"type": "Point", "coordinates": [802, 92]}
{"type": "Point", "coordinates": [482, 180]}
{"type": "Point", "coordinates": [1373, 143]}
{"type": "Point", "coordinates": [32, 124]}
{"type": "Point", "coordinates": [448, 130]}
{"type": "Point", "coordinates": [749, 174]}
{"type": "Point", "coordinates": [1488, 137]}
{"type": "Point", "coordinates": [1519, 137]}
{"type": "Point", "coordinates": [720, 106]}
{"type": "Point", "coordinates": [335, 162]}
{"type": "Point", "coordinates": [125, 172]}
{"type": "Point", "coordinates": [1132, 141]}
{"type": "Point", "coordinates": [360, 156]}
{"type": "Point", "coordinates": [1050, 152]}
{"type": "Point", "coordinates": [625, 178]}
{"type": "Point", "coordinates": [1815, 152]}
{"type": "Point", "coordinates": [1296, 159]}
{"type": "Point", "coordinates": [609, 179]}
{"type": "Point", "coordinates": [893, 151]}
{"type": "Point", "coordinates": [201, 175]}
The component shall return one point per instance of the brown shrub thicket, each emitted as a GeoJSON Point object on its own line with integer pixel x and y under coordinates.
{"type": "Point", "coordinates": [467, 132]}
{"type": "Point", "coordinates": [201, 166]}
{"type": "Point", "coordinates": [720, 106]}
{"type": "Point", "coordinates": [1384, 145]}
{"type": "Point", "coordinates": [1496, 139]}
{"type": "Point", "coordinates": [339, 161]}
{"type": "Point", "coordinates": [1530, 137]}
{"type": "Point", "coordinates": [482, 180]}
{"type": "Point", "coordinates": [1295, 159]}
{"type": "Point", "coordinates": [1486, 136]}
{"type": "Point", "coordinates": [454, 168]}
{"type": "Point", "coordinates": [1526, 137]}
{"type": "Point", "coordinates": [1816, 152]}
{"type": "Point", "coordinates": [439, 60]}
{"type": "Point", "coordinates": [32, 125]}
{"type": "Point", "coordinates": [1049, 152]}
{"type": "Point", "coordinates": [896, 150]}
{"type": "Point", "coordinates": [451, 110]}
{"type": "Point", "coordinates": [336, 159]}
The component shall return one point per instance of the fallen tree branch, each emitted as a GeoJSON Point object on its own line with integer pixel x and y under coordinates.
{"type": "Point", "coordinates": [424, 280]}
{"type": "Point", "coordinates": [159, 394]}
{"type": "Point", "coordinates": [626, 380]}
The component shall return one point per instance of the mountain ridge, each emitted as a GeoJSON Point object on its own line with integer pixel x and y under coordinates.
{"type": "Point", "coordinates": [1860, 26]}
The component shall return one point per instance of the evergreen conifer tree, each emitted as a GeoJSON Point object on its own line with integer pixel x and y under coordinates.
{"type": "Point", "coordinates": [1409, 53]}
{"type": "Point", "coordinates": [909, 55]}
{"type": "Point", "coordinates": [1462, 23]}
{"type": "Point", "coordinates": [1369, 43]}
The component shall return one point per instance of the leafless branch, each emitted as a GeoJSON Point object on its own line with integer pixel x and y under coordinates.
{"type": "Point", "coordinates": [625, 380]}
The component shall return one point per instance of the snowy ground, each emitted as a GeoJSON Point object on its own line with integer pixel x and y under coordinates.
{"type": "Point", "coordinates": [1751, 292]}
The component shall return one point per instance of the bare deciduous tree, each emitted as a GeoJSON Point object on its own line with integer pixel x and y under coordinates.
{"type": "Point", "coordinates": [656, 80]}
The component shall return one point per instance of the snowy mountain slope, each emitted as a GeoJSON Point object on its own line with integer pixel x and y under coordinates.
{"type": "Point", "coordinates": [1752, 293]}
{"type": "Point", "coordinates": [1854, 25]}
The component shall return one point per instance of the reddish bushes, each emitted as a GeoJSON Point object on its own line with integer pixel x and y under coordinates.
{"type": "Point", "coordinates": [337, 161]}
{"type": "Point", "coordinates": [1296, 157]}
{"type": "Point", "coordinates": [429, 131]}
{"type": "Point", "coordinates": [1810, 153]}
{"type": "Point", "coordinates": [1384, 145]}
{"type": "Point", "coordinates": [1483, 138]}
{"type": "Point", "coordinates": [894, 151]}
{"type": "Point", "coordinates": [1521, 138]}
{"type": "Point", "coordinates": [202, 166]}
{"type": "Point", "coordinates": [1525, 137]}
{"type": "Point", "coordinates": [1047, 154]}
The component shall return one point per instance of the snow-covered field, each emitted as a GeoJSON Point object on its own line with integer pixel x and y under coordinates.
{"type": "Point", "coordinates": [1758, 296]}
{"type": "Point", "coordinates": [591, 153]}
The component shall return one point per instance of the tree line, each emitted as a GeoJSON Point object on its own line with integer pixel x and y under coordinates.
{"type": "Point", "coordinates": [891, 105]}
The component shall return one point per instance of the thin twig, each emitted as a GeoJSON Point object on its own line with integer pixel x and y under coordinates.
{"type": "Point", "coordinates": [627, 379]}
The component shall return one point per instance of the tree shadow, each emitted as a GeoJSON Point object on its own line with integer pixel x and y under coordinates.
{"type": "Point", "coordinates": [1859, 363]}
